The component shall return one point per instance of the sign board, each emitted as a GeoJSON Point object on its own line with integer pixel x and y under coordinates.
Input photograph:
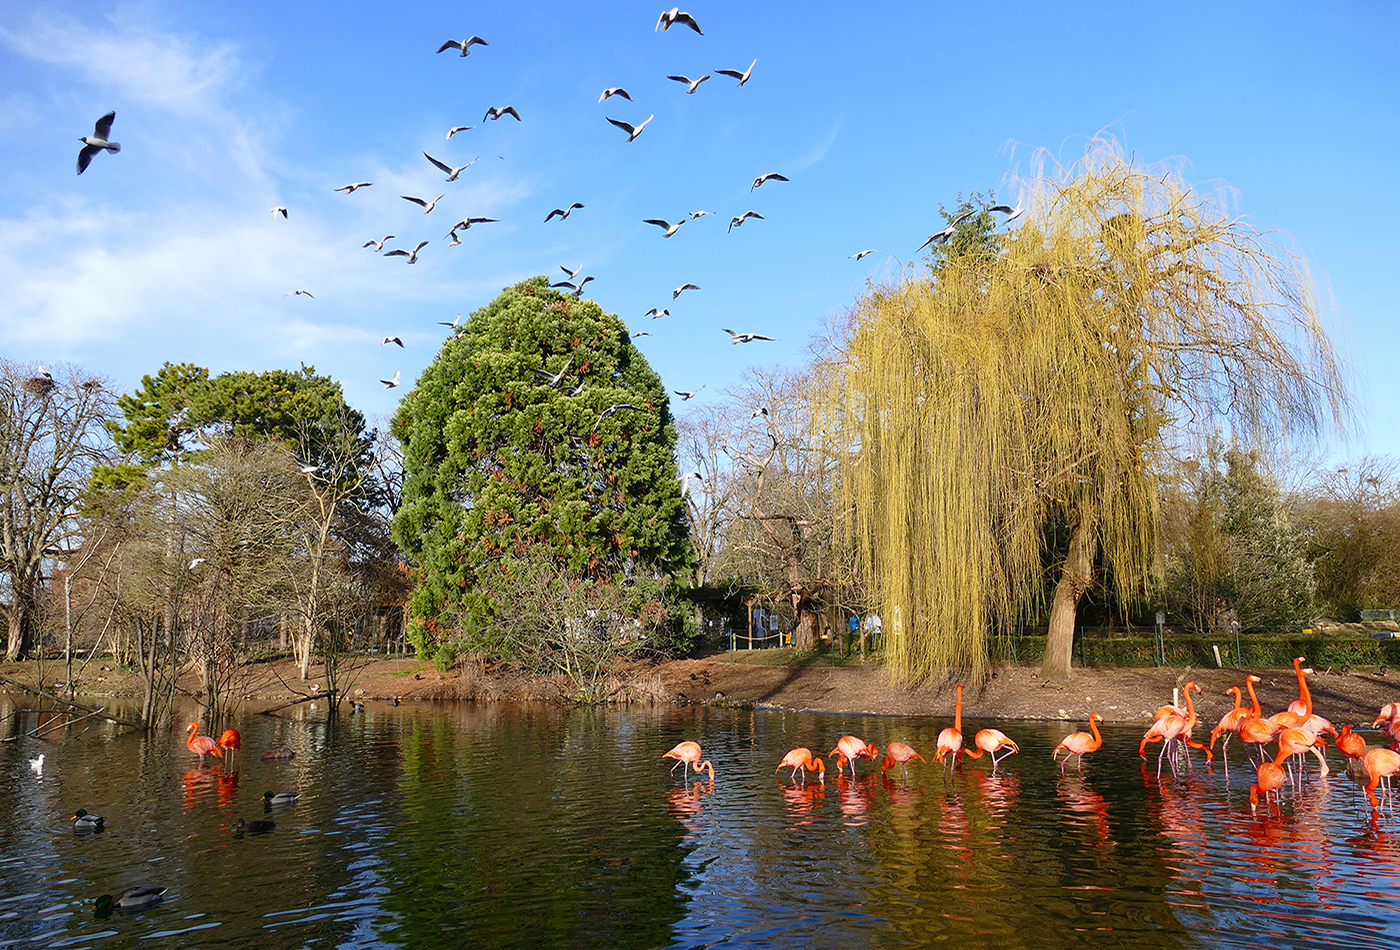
{"type": "Point", "coordinates": [1161, 619]}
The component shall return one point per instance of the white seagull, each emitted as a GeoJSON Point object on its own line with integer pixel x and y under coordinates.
{"type": "Point", "coordinates": [614, 91]}
{"type": "Point", "coordinates": [391, 383]}
{"type": "Point", "coordinates": [688, 396]}
{"type": "Point", "coordinates": [466, 45]}
{"type": "Point", "coordinates": [423, 203]}
{"type": "Point", "coordinates": [656, 314]}
{"type": "Point", "coordinates": [453, 239]}
{"type": "Point", "coordinates": [641, 333]}
{"type": "Point", "coordinates": [736, 222]}
{"type": "Point", "coordinates": [735, 74]}
{"type": "Point", "coordinates": [353, 186]}
{"type": "Point", "coordinates": [196, 562]}
{"type": "Point", "coordinates": [97, 141]}
{"type": "Point", "coordinates": [411, 255]}
{"type": "Point", "coordinates": [632, 130]}
{"type": "Point", "coordinates": [761, 179]}
{"type": "Point", "coordinates": [280, 209]}
{"type": "Point", "coordinates": [466, 223]}
{"type": "Point", "coordinates": [938, 237]}
{"type": "Point", "coordinates": [694, 84]}
{"type": "Point", "coordinates": [563, 212]}
{"type": "Point", "coordinates": [453, 323]}
{"type": "Point", "coordinates": [452, 173]}
{"type": "Point", "coordinates": [746, 337]}
{"type": "Point", "coordinates": [377, 245]}
{"type": "Point", "coordinates": [576, 289]}
{"type": "Point", "coordinates": [682, 289]}
{"type": "Point", "coordinates": [699, 214]}
{"type": "Point", "coordinates": [676, 15]}
{"type": "Point", "coordinates": [618, 407]}
{"type": "Point", "coordinates": [495, 112]}
{"type": "Point", "coordinates": [572, 273]}
{"type": "Point", "coordinates": [299, 293]}
{"type": "Point", "coordinates": [455, 129]}
{"type": "Point", "coordinates": [685, 480]}
{"type": "Point", "coordinates": [859, 254]}
{"type": "Point", "coordinates": [669, 227]}
{"type": "Point", "coordinates": [553, 378]}
{"type": "Point", "coordinates": [391, 339]}
{"type": "Point", "coordinates": [310, 469]}
{"type": "Point", "coordinates": [1011, 213]}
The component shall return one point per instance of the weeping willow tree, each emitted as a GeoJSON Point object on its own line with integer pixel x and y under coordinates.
{"type": "Point", "coordinates": [1031, 394]}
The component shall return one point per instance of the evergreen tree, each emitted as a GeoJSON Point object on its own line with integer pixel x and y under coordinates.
{"type": "Point", "coordinates": [503, 467]}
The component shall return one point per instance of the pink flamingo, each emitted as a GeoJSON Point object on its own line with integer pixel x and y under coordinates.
{"type": "Point", "coordinates": [850, 748]}
{"type": "Point", "coordinates": [687, 753]}
{"type": "Point", "coordinates": [232, 743]}
{"type": "Point", "coordinates": [1078, 743]}
{"type": "Point", "coordinates": [1380, 764]}
{"type": "Point", "coordinates": [950, 740]}
{"type": "Point", "coordinates": [1269, 779]}
{"type": "Point", "coordinates": [802, 758]}
{"type": "Point", "coordinates": [991, 741]}
{"type": "Point", "coordinates": [897, 753]}
{"type": "Point", "coordinates": [201, 745]}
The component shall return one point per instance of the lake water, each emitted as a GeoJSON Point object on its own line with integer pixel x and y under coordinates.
{"type": "Point", "coordinates": [526, 826]}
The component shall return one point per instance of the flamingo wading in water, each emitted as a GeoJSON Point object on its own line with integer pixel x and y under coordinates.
{"type": "Point", "coordinates": [1078, 743]}
{"type": "Point", "coordinates": [991, 741]}
{"type": "Point", "coordinates": [201, 746]}
{"type": "Point", "coordinates": [232, 743]}
{"type": "Point", "coordinates": [897, 753]}
{"type": "Point", "coordinates": [850, 748]}
{"type": "Point", "coordinates": [801, 759]}
{"type": "Point", "coordinates": [687, 753]}
{"type": "Point", "coordinates": [950, 739]}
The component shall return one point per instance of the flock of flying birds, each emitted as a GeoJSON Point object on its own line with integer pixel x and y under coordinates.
{"type": "Point", "coordinates": [100, 141]}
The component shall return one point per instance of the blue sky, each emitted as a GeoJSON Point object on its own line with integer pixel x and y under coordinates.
{"type": "Point", "coordinates": [877, 112]}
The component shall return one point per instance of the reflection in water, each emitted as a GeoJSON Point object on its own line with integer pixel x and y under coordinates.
{"type": "Point", "coordinates": [514, 826]}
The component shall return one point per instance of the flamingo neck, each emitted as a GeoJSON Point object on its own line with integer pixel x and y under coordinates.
{"type": "Point", "coordinates": [1238, 699]}
{"type": "Point", "coordinates": [706, 765]}
{"type": "Point", "coordinates": [1098, 737]}
{"type": "Point", "coordinates": [1190, 708]}
{"type": "Point", "coordinates": [957, 710]}
{"type": "Point", "coordinates": [1254, 708]}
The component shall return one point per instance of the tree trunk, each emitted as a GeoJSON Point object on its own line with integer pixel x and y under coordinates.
{"type": "Point", "coordinates": [1075, 578]}
{"type": "Point", "coordinates": [21, 623]}
{"type": "Point", "coordinates": [806, 631]}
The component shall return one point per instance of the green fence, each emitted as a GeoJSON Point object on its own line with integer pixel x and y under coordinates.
{"type": "Point", "coordinates": [1256, 650]}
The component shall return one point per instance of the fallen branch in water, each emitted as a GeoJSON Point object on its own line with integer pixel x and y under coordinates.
{"type": "Point", "coordinates": [70, 704]}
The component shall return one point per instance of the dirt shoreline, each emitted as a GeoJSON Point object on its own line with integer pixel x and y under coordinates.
{"type": "Point", "coordinates": [1119, 694]}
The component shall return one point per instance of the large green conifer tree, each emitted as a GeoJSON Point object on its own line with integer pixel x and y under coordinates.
{"type": "Point", "coordinates": [501, 467]}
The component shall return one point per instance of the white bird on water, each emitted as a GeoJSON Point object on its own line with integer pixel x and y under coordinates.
{"type": "Point", "coordinates": [682, 289]}
{"type": "Point", "coordinates": [377, 245]}
{"type": "Point", "coordinates": [676, 15]}
{"type": "Point", "coordinates": [452, 173]}
{"type": "Point", "coordinates": [464, 45]}
{"type": "Point", "coordinates": [669, 227]}
{"type": "Point", "coordinates": [614, 91]}
{"type": "Point", "coordinates": [99, 139]}
{"type": "Point", "coordinates": [37, 764]}
{"type": "Point", "coordinates": [351, 188]}
{"type": "Point", "coordinates": [735, 74]}
{"type": "Point", "coordinates": [694, 84]}
{"type": "Point", "coordinates": [391, 383]}
{"type": "Point", "coordinates": [423, 203]}
{"type": "Point", "coordinates": [411, 255]}
{"type": "Point", "coordinates": [632, 130]}
{"type": "Point", "coordinates": [746, 337]}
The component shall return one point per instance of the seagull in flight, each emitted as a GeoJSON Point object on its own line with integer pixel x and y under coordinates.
{"type": "Point", "coordinates": [657, 314]}
{"type": "Point", "coordinates": [676, 15]}
{"type": "Point", "coordinates": [632, 130]}
{"type": "Point", "coordinates": [99, 139]}
{"type": "Point", "coordinates": [641, 333]}
{"type": "Point", "coordinates": [1011, 213]}
{"type": "Point", "coordinates": [736, 222]}
{"type": "Point", "coordinates": [859, 254]}
{"type": "Point", "coordinates": [391, 383]}
{"type": "Point", "coordinates": [735, 74]}
{"type": "Point", "coordinates": [563, 213]}
{"type": "Point", "coordinates": [614, 91]}
{"type": "Point", "coordinates": [353, 186]}
{"type": "Point", "coordinates": [411, 255]}
{"type": "Point", "coordinates": [761, 179]}
{"type": "Point", "coordinates": [760, 411]}
{"type": "Point", "coordinates": [453, 239]}
{"type": "Point", "coordinates": [495, 112]}
{"type": "Point", "coordinates": [617, 407]}
{"type": "Point", "coordinates": [576, 289]}
{"type": "Point", "coordinates": [746, 337]}
{"type": "Point", "coordinates": [391, 339]}
{"type": "Point", "coordinates": [682, 289]}
{"type": "Point", "coordinates": [694, 84]}
{"type": "Point", "coordinates": [453, 323]}
{"type": "Point", "coordinates": [670, 228]}
{"type": "Point", "coordinates": [687, 397]}
{"type": "Point", "coordinates": [455, 129]}
{"type": "Point", "coordinates": [699, 214]}
{"type": "Point", "coordinates": [452, 173]}
{"type": "Point", "coordinates": [553, 378]}
{"type": "Point", "coordinates": [572, 273]}
{"type": "Point", "coordinates": [299, 293]}
{"type": "Point", "coordinates": [280, 209]}
{"type": "Point", "coordinates": [685, 480]}
{"type": "Point", "coordinates": [423, 203]}
{"type": "Point", "coordinates": [377, 245]}
{"type": "Point", "coordinates": [310, 469]}
{"type": "Point", "coordinates": [466, 223]}
{"type": "Point", "coordinates": [938, 237]}
{"type": "Point", "coordinates": [466, 45]}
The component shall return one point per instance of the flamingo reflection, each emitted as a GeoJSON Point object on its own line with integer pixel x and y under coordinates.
{"type": "Point", "coordinates": [855, 799]}
{"type": "Point", "coordinates": [801, 801]}
{"type": "Point", "coordinates": [1086, 806]}
{"type": "Point", "coordinates": [685, 804]}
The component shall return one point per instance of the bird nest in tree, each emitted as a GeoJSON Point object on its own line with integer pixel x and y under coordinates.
{"type": "Point", "coordinates": [38, 385]}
